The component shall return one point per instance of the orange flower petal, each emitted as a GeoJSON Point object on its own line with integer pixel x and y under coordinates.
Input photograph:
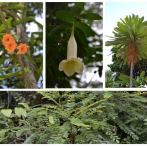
{"type": "Point", "coordinates": [10, 46]}
{"type": "Point", "coordinates": [22, 48]}
{"type": "Point", "coordinates": [7, 38]}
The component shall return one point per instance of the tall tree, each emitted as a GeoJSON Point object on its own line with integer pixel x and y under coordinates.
{"type": "Point", "coordinates": [131, 38]}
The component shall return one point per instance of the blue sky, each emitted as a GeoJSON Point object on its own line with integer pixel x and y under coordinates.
{"type": "Point", "coordinates": [113, 12]}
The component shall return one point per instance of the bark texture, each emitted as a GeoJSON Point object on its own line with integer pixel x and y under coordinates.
{"type": "Point", "coordinates": [29, 77]}
{"type": "Point", "coordinates": [131, 74]}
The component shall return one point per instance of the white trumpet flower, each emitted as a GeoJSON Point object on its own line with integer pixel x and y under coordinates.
{"type": "Point", "coordinates": [72, 64]}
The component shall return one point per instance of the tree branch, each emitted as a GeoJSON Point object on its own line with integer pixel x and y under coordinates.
{"type": "Point", "coordinates": [4, 22]}
{"type": "Point", "coordinates": [4, 4]}
{"type": "Point", "coordinates": [14, 16]}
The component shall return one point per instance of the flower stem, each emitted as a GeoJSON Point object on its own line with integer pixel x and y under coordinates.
{"type": "Point", "coordinates": [56, 50]}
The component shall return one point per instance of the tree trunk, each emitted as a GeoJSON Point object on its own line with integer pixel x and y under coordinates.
{"type": "Point", "coordinates": [29, 77]}
{"type": "Point", "coordinates": [131, 74]}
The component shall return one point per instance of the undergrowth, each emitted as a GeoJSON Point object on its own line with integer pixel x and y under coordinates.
{"type": "Point", "coordinates": [96, 117]}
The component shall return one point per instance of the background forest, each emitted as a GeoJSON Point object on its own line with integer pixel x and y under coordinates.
{"type": "Point", "coordinates": [89, 37]}
{"type": "Point", "coordinates": [19, 18]}
{"type": "Point", "coordinates": [64, 117]}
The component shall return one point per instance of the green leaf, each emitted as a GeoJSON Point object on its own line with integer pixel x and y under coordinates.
{"type": "Point", "coordinates": [19, 132]}
{"type": "Point", "coordinates": [78, 122]}
{"type": "Point", "coordinates": [2, 134]}
{"type": "Point", "coordinates": [90, 16]}
{"type": "Point", "coordinates": [51, 119]}
{"type": "Point", "coordinates": [76, 10]}
{"type": "Point", "coordinates": [49, 28]}
{"type": "Point", "coordinates": [33, 62]}
{"type": "Point", "coordinates": [85, 28]}
{"type": "Point", "coordinates": [65, 16]}
{"type": "Point", "coordinates": [2, 3]}
{"type": "Point", "coordinates": [53, 38]}
{"type": "Point", "coordinates": [141, 75]}
{"type": "Point", "coordinates": [124, 78]}
{"type": "Point", "coordinates": [9, 68]}
{"type": "Point", "coordinates": [80, 4]}
{"type": "Point", "coordinates": [6, 112]}
{"type": "Point", "coordinates": [78, 33]}
{"type": "Point", "coordinates": [58, 29]}
{"type": "Point", "coordinates": [10, 75]}
{"type": "Point", "coordinates": [8, 23]}
{"type": "Point", "coordinates": [20, 21]}
{"type": "Point", "coordinates": [17, 6]}
{"type": "Point", "coordinates": [107, 94]}
{"type": "Point", "coordinates": [20, 111]}
{"type": "Point", "coordinates": [39, 24]}
{"type": "Point", "coordinates": [145, 79]}
{"type": "Point", "coordinates": [25, 105]}
{"type": "Point", "coordinates": [32, 43]}
{"type": "Point", "coordinates": [42, 112]}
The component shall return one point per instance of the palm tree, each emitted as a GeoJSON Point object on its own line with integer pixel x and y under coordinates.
{"type": "Point", "coordinates": [130, 36]}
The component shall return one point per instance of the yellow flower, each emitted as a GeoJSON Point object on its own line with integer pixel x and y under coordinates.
{"type": "Point", "coordinates": [72, 64]}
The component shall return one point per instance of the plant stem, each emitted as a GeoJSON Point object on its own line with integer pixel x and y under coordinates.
{"type": "Point", "coordinates": [131, 74]}
{"type": "Point", "coordinates": [56, 51]}
{"type": "Point", "coordinates": [4, 22]}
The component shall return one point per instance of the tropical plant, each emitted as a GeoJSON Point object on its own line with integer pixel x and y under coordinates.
{"type": "Point", "coordinates": [12, 21]}
{"type": "Point", "coordinates": [140, 81]}
{"type": "Point", "coordinates": [58, 32]}
{"type": "Point", "coordinates": [110, 79]}
{"type": "Point", "coordinates": [131, 39]}
{"type": "Point", "coordinates": [78, 117]}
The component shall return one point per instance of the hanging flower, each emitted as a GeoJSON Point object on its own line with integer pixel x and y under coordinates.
{"type": "Point", "coordinates": [10, 46]}
{"type": "Point", "coordinates": [72, 64]}
{"type": "Point", "coordinates": [22, 48]}
{"type": "Point", "coordinates": [7, 38]}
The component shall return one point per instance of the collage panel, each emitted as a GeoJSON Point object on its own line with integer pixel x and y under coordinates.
{"type": "Point", "coordinates": [53, 88]}
{"type": "Point", "coordinates": [73, 117]}
{"type": "Point", "coordinates": [74, 44]}
{"type": "Point", "coordinates": [21, 45]}
{"type": "Point", "coordinates": [126, 43]}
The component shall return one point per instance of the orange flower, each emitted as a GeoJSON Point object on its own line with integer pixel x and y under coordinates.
{"type": "Point", "coordinates": [22, 48]}
{"type": "Point", "coordinates": [7, 38]}
{"type": "Point", "coordinates": [10, 46]}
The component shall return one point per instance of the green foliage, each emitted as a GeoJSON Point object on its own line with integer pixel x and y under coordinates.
{"type": "Point", "coordinates": [118, 68]}
{"type": "Point", "coordinates": [35, 44]}
{"type": "Point", "coordinates": [133, 27]}
{"type": "Point", "coordinates": [110, 79]}
{"type": "Point", "coordinates": [140, 81]}
{"type": "Point", "coordinates": [79, 118]}
{"type": "Point", "coordinates": [60, 19]}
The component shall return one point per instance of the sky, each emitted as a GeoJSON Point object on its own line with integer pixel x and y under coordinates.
{"type": "Point", "coordinates": [113, 12]}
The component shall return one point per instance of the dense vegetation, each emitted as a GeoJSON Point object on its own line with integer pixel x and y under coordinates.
{"type": "Point", "coordinates": [73, 117]}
